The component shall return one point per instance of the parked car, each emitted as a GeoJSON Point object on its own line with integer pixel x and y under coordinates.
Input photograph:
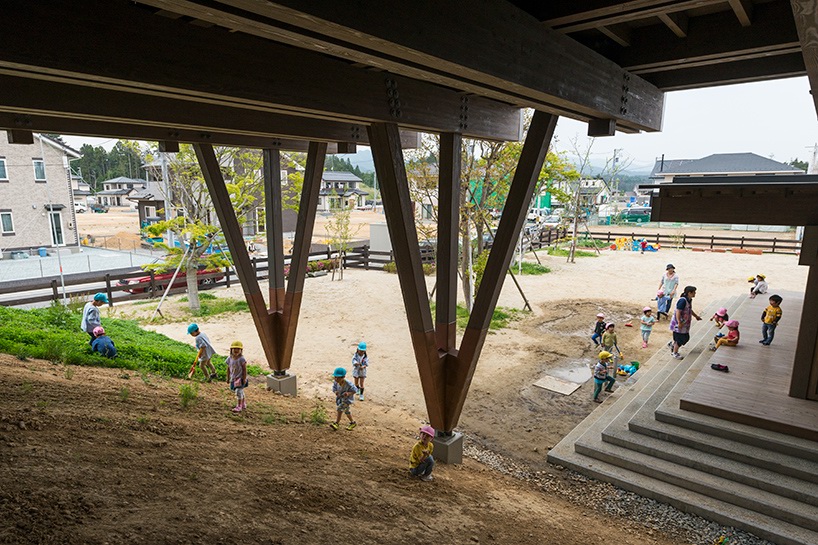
{"type": "Point", "coordinates": [80, 208]}
{"type": "Point", "coordinates": [635, 215]}
{"type": "Point", "coordinates": [163, 279]}
{"type": "Point", "coordinates": [99, 208]}
{"type": "Point", "coordinates": [551, 221]}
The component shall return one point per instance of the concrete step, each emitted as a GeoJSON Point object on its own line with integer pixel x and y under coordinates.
{"type": "Point", "coordinates": [718, 463]}
{"type": "Point", "coordinates": [781, 512]}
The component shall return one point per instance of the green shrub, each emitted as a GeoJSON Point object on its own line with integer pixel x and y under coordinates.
{"type": "Point", "coordinates": [124, 394]}
{"type": "Point", "coordinates": [390, 267]}
{"type": "Point", "coordinates": [318, 416]}
{"type": "Point", "coordinates": [68, 372]}
{"type": "Point", "coordinates": [429, 269]}
{"type": "Point", "coordinates": [203, 296]}
{"type": "Point", "coordinates": [188, 394]}
{"type": "Point", "coordinates": [533, 268]}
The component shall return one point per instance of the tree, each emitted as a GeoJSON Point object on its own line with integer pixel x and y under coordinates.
{"type": "Point", "coordinates": [197, 228]}
{"type": "Point", "coordinates": [340, 229]}
{"type": "Point", "coordinates": [797, 163]}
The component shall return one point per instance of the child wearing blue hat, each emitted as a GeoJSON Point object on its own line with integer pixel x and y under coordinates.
{"type": "Point", "coordinates": [90, 315]}
{"type": "Point", "coordinates": [206, 352]}
{"type": "Point", "coordinates": [360, 361]}
{"type": "Point", "coordinates": [344, 392]}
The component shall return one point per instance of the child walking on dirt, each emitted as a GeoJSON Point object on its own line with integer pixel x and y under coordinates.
{"type": "Point", "coordinates": [421, 462]}
{"type": "Point", "coordinates": [609, 342]}
{"type": "Point", "coordinates": [731, 339]}
{"type": "Point", "coordinates": [599, 329]}
{"type": "Point", "coordinates": [360, 361]}
{"type": "Point", "coordinates": [769, 320]}
{"type": "Point", "coordinates": [237, 374]}
{"type": "Point", "coordinates": [603, 374]}
{"type": "Point", "coordinates": [344, 392]}
{"type": "Point", "coordinates": [647, 322]}
{"type": "Point", "coordinates": [206, 352]}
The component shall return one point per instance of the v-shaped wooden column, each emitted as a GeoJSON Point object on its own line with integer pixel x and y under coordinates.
{"type": "Point", "coordinates": [276, 326]}
{"type": "Point", "coordinates": [446, 373]}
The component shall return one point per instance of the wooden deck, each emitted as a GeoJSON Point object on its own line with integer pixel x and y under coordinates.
{"type": "Point", "coordinates": [755, 390]}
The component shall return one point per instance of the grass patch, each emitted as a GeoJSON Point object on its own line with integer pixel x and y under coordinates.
{"type": "Point", "coordinates": [204, 296]}
{"type": "Point", "coordinates": [501, 318]}
{"type": "Point", "coordinates": [124, 394]}
{"type": "Point", "coordinates": [54, 334]}
{"type": "Point", "coordinates": [188, 395]}
{"type": "Point", "coordinates": [531, 268]}
{"type": "Point", "coordinates": [221, 306]}
{"type": "Point", "coordinates": [563, 252]}
{"type": "Point", "coordinates": [318, 416]}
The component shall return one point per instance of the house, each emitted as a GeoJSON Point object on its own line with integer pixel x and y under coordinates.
{"type": "Point", "coordinates": [340, 189]}
{"type": "Point", "coordinates": [719, 164]}
{"type": "Point", "coordinates": [116, 191]}
{"type": "Point", "coordinates": [80, 190]}
{"type": "Point", "coordinates": [150, 203]}
{"type": "Point", "coordinates": [36, 202]}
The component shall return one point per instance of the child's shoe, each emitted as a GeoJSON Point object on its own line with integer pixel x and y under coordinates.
{"type": "Point", "coordinates": [334, 426]}
{"type": "Point", "coordinates": [361, 397]}
{"type": "Point", "coordinates": [237, 409]}
{"type": "Point", "coordinates": [212, 377]}
{"type": "Point", "coordinates": [243, 404]}
{"type": "Point", "coordinates": [678, 356]}
{"type": "Point", "coordinates": [597, 400]}
{"type": "Point", "coordinates": [427, 478]}
{"type": "Point", "coordinates": [644, 344]}
{"type": "Point", "coordinates": [352, 426]}
{"type": "Point", "coordinates": [719, 367]}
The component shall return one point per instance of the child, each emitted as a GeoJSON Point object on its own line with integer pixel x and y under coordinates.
{"type": "Point", "coordinates": [344, 392]}
{"type": "Point", "coordinates": [602, 374]}
{"type": "Point", "coordinates": [599, 329]}
{"type": "Point", "coordinates": [769, 319]}
{"type": "Point", "coordinates": [206, 352]}
{"type": "Point", "coordinates": [647, 325]}
{"type": "Point", "coordinates": [421, 462]}
{"type": "Point", "coordinates": [662, 302]}
{"type": "Point", "coordinates": [643, 244]}
{"type": "Point", "coordinates": [720, 317]}
{"type": "Point", "coordinates": [237, 374]}
{"type": "Point", "coordinates": [102, 343]}
{"type": "Point", "coordinates": [731, 339]}
{"type": "Point", "coordinates": [90, 315]}
{"type": "Point", "coordinates": [360, 361]}
{"type": "Point", "coordinates": [609, 342]}
{"type": "Point", "coordinates": [759, 286]}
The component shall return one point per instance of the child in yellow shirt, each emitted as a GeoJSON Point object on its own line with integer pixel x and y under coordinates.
{"type": "Point", "coordinates": [421, 462]}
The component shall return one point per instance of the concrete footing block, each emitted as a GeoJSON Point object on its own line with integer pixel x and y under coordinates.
{"type": "Point", "coordinates": [283, 384]}
{"type": "Point", "coordinates": [449, 449]}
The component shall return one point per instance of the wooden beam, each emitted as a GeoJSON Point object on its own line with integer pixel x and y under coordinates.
{"type": "Point", "coordinates": [448, 228]}
{"type": "Point", "coordinates": [168, 146]}
{"type": "Point", "coordinates": [601, 127]}
{"type": "Point", "coordinates": [676, 22]}
{"type": "Point", "coordinates": [19, 136]}
{"type": "Point", "coordinates": [326, 87]}
{"type": "Point", "coordinates": [717, 201]}
{"type": "Point", "coordinates": [622, 13]}
{"type": "Point", "coordinates": [743, 10]}
{"type": "Point", "coordinates": [305, 224]}
{"type": "Point", "coordinates": [116, 113]}
{"type": "Point", "coordinates": [397, 206]}
{"type": "Point", "coordinates": [275, 229]}
{"type": "Point", "coordinates": [564, 13]}
{"type": "Point", "coordinates": [806, 22]}
{"type": "Point", "coordinates": [804, 363]}
{"type": "Point", "coordinates": [773, 32]}
{"type": "Point", "coordinates": [511, 222]}
{"type": "Point", "coordinates": [620, 34]}
{"type": "Point", "coordinates": [550, 73]}
{"type": "Point", "coordinates": [238, 251]}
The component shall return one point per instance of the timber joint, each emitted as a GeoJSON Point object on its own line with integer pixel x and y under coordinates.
{"type": "Point", "coordinates": [393, 98]}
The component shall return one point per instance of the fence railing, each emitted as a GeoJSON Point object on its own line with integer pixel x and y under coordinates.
{"type": "Point", "coordinates": [712, 242]}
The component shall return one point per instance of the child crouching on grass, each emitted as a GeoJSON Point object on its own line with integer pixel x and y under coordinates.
{"type": "Point", "coordinates": [421, 462]}
{"type": "Point", "coordinates": [237, 374]}
{"type": "Point", "coordinates": [344, 392]}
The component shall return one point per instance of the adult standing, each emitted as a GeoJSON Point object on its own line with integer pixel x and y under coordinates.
{"type": "Point", "coordinates": [669, 283]}
{"type": "Point", "coordinates": [90, 315]}
{"type": "Point", "coordinates": [682, 318]}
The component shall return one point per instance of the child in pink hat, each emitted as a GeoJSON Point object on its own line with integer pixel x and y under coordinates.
{"type": "Point", "coordinates": [647, 322]}
{"type": "Point", "coordinates": [731, 339]}
{"type": "Point", "coordinates": [421, 462]}
{"type": "Point", "coordinates": [720, 317]}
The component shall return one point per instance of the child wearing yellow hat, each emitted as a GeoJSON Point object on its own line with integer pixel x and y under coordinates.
{"type": "Point", "coordinates": [759, 285]}
{"type": "Point", "coordinates": [602, 375]}
{"type": "Point", "coordinates": [237, 374]}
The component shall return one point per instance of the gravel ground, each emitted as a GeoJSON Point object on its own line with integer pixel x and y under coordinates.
{"type": "Point", "coordinates": [617, 502]}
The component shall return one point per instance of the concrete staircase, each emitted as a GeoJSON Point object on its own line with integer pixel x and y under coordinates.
{"type": "Point", "coordinates": [760, 481]}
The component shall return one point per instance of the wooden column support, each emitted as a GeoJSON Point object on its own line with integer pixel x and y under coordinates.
{"type": "Point", "coordinates": [805, 366]}
{"type": "Point", "coordinates": [445, 374]}
{"type": "Point", "coordinates": [275, 228]}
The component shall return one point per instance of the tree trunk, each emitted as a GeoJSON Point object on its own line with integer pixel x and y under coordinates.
{"type": "Point", "coordinates": [191, 269]}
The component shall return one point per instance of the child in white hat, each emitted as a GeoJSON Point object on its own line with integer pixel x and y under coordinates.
{"type": "Point", "coordinates": [647, 322]}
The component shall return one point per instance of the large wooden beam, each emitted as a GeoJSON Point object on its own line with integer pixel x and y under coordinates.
{"type": "Point", "coordinates": [57, 106]}
{"type": "Point", "coordinates": [233, 69]}
{"type": "Point", "coordinates": [397, 206]}
{"type": "Point", "coordinates": [722, 200]}
{"type": "Point", "coordinates": [511, 222]}
{"type": "Point", "coordinates": [497, 51]}
{"type": "Point", "coordinates": [448, 228]}
{"type": "Point", "coordinates": [275, 229]}
{"type": "Point", "coordinates": [806, 21]}
{"type": "Point", "coordinates": [615, 13]}
{"type": "Point", "coordinates": [805, 364]}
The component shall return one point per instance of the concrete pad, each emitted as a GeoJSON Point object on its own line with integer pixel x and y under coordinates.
{"type": "Point", "coordinates": [449, 450]}
{"type": "Point", "coordinates": [558, 385]}
{"type": "Point", "coordinates": [283, 384]}
{"type": "Point", "coordinates": [580, 373]}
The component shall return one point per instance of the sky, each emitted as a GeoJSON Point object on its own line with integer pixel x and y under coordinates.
{"type": "Point", "coordinates": [773, 119]}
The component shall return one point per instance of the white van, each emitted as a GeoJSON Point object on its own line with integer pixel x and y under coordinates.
{"type": "Point", "coordinates": [80, 208]}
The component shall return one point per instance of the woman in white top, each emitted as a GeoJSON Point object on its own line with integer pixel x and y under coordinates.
{"type": "Point", "coordinates": [668, 284]}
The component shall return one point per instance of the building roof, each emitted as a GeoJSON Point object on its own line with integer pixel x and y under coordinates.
{"type": "Point", "coordinates": [722, 163]}
{"type": "Point", "coordinates": [153, 192]}
{"type": "Point", "coordinates": [339, 176]}
{"type": "Point", "coordinates": [114, 192]}
{"type": "Point", "coordinates": [68, 150]}
{"type": "Point", "coordinates": [329, 191]}
{"type": "Point", "coordinates": [125, 180]}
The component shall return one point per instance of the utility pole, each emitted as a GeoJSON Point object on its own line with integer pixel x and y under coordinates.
{"type": "Point", "coordinates": [168, 200]}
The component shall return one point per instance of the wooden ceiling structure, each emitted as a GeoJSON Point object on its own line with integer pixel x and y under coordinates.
{"type": "Point", "coordinates": [326, 76]}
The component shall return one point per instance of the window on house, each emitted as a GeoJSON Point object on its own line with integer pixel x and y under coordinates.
{"type": "Point", "coordinates": [6, 223]}
{"type": "Point", "coordinates": [39, 170]}
{"type": "Point", "coordinates": [150, 211]}
{"type": "Point", "coordinates": [261, 220]}
{"type": "Point", "coordinates": [3, 173]}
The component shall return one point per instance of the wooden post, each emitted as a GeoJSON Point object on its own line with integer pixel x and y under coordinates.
{"type": "Point", "coordinates": [774, 241]}
{"type": "Point", "coordinates": [805, 366]}
{"type": "Point", "coordinates": [741, 244]}
{"type": "Point", "coordinates": [54, 290]}
{"type": "Point", "coordinates": [108, 290]}
{"type": "Point", "coordinates": [712, 239]}
{"type": "Point", "coordinates": [227, 273]}
{"type": "Point", "coordinates": [365, 254]}
{"type": "Point", "coordinates": [153, 284]}
{"type": "Point", "coordinates": [447, 238]}
{"type": "Point", "coordinates": [275, 228]}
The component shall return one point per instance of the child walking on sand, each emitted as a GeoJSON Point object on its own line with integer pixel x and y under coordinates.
{"type": "Point", "coordinates": [344, 392]}
{"type": "Point", "coordinates": [731, 339]}
{"type": "Point", "coordinates": [360, 361]}
{"type": "Point", "coordinates": [609, 342]}
{"type": "Point", "coordinates": [206, 352]}
{"type": "Point", "coordinates": [769, 319]}
{"type": "Point", "coordinates": [237, 374]}
{"type": "Point", "coordinates": [421, 462]}
{"type": "Point", "coordinates": [647, 322]}
{"type": "Point", "coordinates": [599, 329]}
{"type": "Point", "coordinates": [603, 374]}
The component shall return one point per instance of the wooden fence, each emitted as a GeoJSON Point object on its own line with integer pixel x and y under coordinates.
{"type": "Point", "coordinates": [710, 242]}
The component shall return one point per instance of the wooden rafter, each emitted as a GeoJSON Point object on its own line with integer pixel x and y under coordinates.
{"type": "Point", "coordinates": [243, 71]}
{"type": "Point", "coordinates": [622, 12]}
{"type": "Point", "coordinates": [743, 10]}
{"type": "Point", "coordinates": [550, 73]}
{"type": "Point", "coordinates": [676, 22]}
{"type": "Point", "coordinates": [621, 34]}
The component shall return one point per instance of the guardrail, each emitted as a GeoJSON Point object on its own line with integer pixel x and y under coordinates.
{"type": "Point", "coordinates": [711, 242]}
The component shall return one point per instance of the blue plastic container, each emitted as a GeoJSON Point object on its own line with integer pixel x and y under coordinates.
{"type": "Point", "coordinates": [43, 252]}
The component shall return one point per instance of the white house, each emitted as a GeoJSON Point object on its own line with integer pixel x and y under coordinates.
{"type": "Point", "coordinates": [340, 189]}
{"type": "Point", "coordinates": [116, 191]}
